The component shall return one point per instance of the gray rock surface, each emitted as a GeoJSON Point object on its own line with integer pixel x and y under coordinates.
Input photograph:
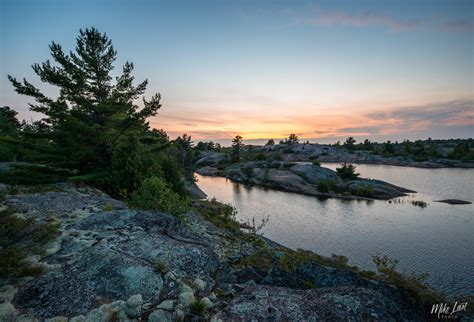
{"type": "Point", "coordinates": [129, 265]}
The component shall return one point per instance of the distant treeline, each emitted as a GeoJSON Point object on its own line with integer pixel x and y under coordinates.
{"type": "Point", "coordinates": [419, 150]}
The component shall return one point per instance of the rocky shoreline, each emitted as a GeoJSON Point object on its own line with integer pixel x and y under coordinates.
{"type": "Point", "coordinates": [112, 263]}
{"type": "Point", "coordinates": [307, 179]}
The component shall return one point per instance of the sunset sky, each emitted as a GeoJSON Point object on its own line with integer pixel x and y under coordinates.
{"type": "Point", "coordinates": [263, 69]}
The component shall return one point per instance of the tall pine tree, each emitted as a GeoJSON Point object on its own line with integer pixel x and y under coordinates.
{"type": "Point", "coordinates": [92, 112]}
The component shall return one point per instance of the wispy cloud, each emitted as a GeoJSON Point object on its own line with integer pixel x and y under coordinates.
{"type": "Point", "coordinates": [314, 15]}
{"type": "Point", "coordinates": [365, 19]}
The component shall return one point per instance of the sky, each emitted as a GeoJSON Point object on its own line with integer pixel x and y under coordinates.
{"type": "Point", "coordinates": [325, 70]}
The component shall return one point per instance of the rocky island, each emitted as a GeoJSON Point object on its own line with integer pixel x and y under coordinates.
{"type": "Point", "coordinates": [304, 178]}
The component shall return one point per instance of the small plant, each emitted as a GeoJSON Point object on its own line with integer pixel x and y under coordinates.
{"type": "Point", "coordinates": [419, 203]}
{"type": "Point", "coordinates": [316, 162]}
{"type": "Point", "coordinates": [220, 214]}
{"type": "Point", "coordinates": [309, 284]}
{"type": "Point", "coordinates": [413, 283]}
{"type": "Point", "coordinates": [108, 207]}
{"type": "Point", "coordinates": [347, 172]}
{"type": "Point", "coordinates": [161, 267]}
{"type": "Point", "coordinates": [326, 186]}
{"type": "Point", "coordinates": [198, 307]}
{"type": "Point", "coordinates": [323, 186]}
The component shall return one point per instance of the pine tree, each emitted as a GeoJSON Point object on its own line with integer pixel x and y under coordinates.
{"type": "Point", "coordinates": [237, 144]}
{"type": "Point", "coordinates": [92, 112]}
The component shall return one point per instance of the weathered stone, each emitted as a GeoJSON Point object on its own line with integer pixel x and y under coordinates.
{"type": "Point", "coordinates": [7, 293]}
{"type": "Point", "coordinates": [166, 305]}
{"type": "Point", "coordinates": [186, 298]}
{"type": "Point", "coordinates": [160, 316]}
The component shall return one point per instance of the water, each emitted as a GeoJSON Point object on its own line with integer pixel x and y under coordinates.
{"type": "Point", "coordinates": [438, 239]}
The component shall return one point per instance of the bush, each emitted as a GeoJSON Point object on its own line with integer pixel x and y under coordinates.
{"type": "Point", "coordinates": [413, 284]}
{"type": "Point", "coordinates": [219, 214]}
{"type": "Point", "coordinates": [19, 237]}
{"type": "Point", "coordinates": [154, 194]}
{"type": "Point", "coordinates": [363, 191]}
{"type": "Point", "coordinates": [33, 174]}
{"type": "Point", "coordinates": [347, 172]}
{"type": "Point", "coordinates": [316, 162]}
{"type": "Point", "coordinates": [326, 186]}
{"type": "Point", "coordinates": [323, 186]}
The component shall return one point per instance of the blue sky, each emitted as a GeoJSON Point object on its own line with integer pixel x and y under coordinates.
{"type": "Point", "coordinates": [264, 69]}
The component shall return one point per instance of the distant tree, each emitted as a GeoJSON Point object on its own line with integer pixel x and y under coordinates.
{"type": "Point", "coordinates": [185, 152]}
{"type": "Point", "coordinates": [237, 145]}
{"type": "Point", "coordinates": [461, 151]}
{"type": "Point", "coordinates": [367, 145]}
{"type": "Point", "coordinates": [347, 171]}
{"type": "Point", "coordinates": [9, 124]}
{"type": "Point", "coordinates": [388, 147]}
{"type": "Point", "coordinates": [293, 138]}
{"type": "Point", "coordinates": [350, 140]}
{"type": "Point", "coordinates": [350, 143]}
{"type": "Point", "coordinates": [270, 142]}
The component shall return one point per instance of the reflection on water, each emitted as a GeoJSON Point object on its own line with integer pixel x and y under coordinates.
{"type": "Point", "coordinates": [437, 239]}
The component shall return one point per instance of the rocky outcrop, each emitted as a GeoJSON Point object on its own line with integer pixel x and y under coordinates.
{"type": "Point", "coordinates": [266, 303]}
{"type": "Point", "coordinates": [305, 178]}
{"type": "Point", "coordinates": [455, 202]}
{"type": "Point", "coordinates": [112, 263]}
{"type": "Point", "coordinates": [210, 158]}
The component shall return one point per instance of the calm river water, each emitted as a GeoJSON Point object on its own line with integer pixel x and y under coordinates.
{"type": "Point", "coordinates": [438, 239]}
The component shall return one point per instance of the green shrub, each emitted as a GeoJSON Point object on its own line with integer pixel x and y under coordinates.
{"type": "Point", "coordinates": [413, 284]}
{"type": "Point", "coordinates": [18, 237]}
{"type": "Point", "coordinates": [347, 172]}
{"type": "Point", "coordinates": [363, 191]}
{"type": "Point", "coordinates": [198, 307]}
{"type": "Point", "coordinates": [316, 162]}
{"type": "Point", "coordinates": [154, 194]}
{"type": "Point", "coordinates": [326, 186]}
{"type": "Point", "coordinates": [323, 186]}
{"type": "Point", "coordinates": [33, 174]}
{"type": "Point", "coordinates": [219, 214]}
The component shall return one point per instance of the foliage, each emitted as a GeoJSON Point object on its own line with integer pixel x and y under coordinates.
{"type": "Point", "coordinates": [219, 214]}
{"type": "Point", "coordinates": [155, 194]}
{"type": "Point", "coordinates": [461, 152]}
{"type": "Point", "coordinates": [94, 126]}
{"type": "Point", "coordinates": [347, 171]}
{"type": "Point", "coordinates": [207, 146]}
{"type": "Point", "coordinates": [33, 174]}
{"type": "Point", "coordinates": [419, 203]}
{"type": "Point", "coordinates": [363, 191]}
{"type": "Point", "coordinates": [293, 138]}
{"type": "Point", "coordinates": [350, 143]}
{"type": "Point", "coordinates": [19, 236]}
{"type": "Point", "coordinates": [184, 148]}
{"type": "Point", "coordinates": [323, 186]}
{"type": "Point", "coordinates": [316, 162]}
{"type": "Point", "coordinates": [270, 142]}
{"type": "Point", "coordinates": [237, 145]}
{"type": "Point", "coordinates": [198, 307]}
{"type": "Point", "coordinates": [413, 284]}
